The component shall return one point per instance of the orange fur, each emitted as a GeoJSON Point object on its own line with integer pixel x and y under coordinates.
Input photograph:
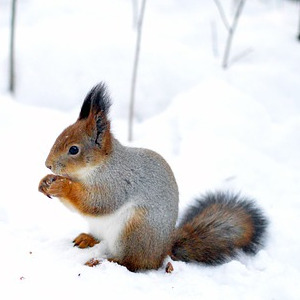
{"type": "Point", "coordinates": [134, 222]}
{"type": "Point", "coordinates": [141, 251]}
{"type": "Point", "coordinates": [106, 146]}
{"type": "Point", "coordinates": [85, 240]}
{"type": "Point", "coordinates": [71, 193]}
{"type": "Point", "coordinates": [242, 220]}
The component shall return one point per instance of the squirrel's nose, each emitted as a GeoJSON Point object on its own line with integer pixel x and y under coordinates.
{"type": "Point", "coordinates": [48, 163]}
{"type": "Point", "coordinates": [48, 166]}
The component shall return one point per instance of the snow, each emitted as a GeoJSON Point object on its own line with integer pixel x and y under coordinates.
{"type": "Point", "coordinates": [236, 129]}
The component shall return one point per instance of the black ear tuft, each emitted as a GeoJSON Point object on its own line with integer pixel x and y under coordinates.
{"type": "Point", "coordinates": [96, 100]}
{"type": "Point", "coordinates": [100, 99]}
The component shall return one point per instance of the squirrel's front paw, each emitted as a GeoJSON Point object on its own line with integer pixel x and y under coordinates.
{"type": "Point", "coordinates": [45, 184]}
{"type": "Point", "coordinates": [55, 186]}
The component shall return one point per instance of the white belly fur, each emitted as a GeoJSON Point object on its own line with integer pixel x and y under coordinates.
{"type": "Point", "coordinates": [108, 228]}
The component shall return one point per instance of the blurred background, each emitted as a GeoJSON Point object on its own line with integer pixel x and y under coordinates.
{"type": "Point", "coordinates": [63, 48]}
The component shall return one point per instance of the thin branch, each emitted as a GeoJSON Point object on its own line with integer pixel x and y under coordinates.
{"type": "Point", "coordinates": [231, 32]}
{"type": "Point", "coordinates": [135, 68]}
{"type": "Point", "coordinates": [241, 55]}
{"type": "Point", "coordinates": [214, 38]}
{"type": "Point", "coordinates": [12, 48]}
{"type": "Point", "coordinates": [299, 24]}
{"type": "Point", "coordinates": [222, 14]}
{"type": "Point", "coordinates": [134, 13]}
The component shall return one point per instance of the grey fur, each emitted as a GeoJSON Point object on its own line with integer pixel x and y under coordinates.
{"type": "Point", "coordinates": [142, 176]}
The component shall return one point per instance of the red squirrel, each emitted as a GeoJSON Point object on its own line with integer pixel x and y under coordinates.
{"type": "Point", "coordinates": [129, 197]}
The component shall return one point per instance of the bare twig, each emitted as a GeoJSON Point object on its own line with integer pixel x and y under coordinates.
{"type": "Point", "coordinates": [214, 38]}
{"type": "Point", "coordinates": [299, 24]}
{"type": "Point", "coordinates": [231, 32]}
{"type": "Point", "coordinates": [135, 68]}
{"type": "Point", "coordinates": [222, 14]}
{"type": "Point", "coordinates": [12, 48]}
{"type": "Point", "coordinates": [241, 55]}
{"type": "Point", "coordinates": [134, 13]}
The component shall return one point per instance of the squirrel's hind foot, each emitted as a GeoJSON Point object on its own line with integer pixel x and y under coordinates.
{"type": "Point", "coordinates": [85, 240]}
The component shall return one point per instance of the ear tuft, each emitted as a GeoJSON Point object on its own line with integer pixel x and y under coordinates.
{"type": "Point", "coordinates": [97, 100]}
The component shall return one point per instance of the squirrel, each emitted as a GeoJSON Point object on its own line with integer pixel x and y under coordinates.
{"type": "Point", "coordinates": [129, 197]}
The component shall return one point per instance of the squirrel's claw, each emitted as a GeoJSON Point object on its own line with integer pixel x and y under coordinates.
{"type": "Point", "coordinates": [45, 184]}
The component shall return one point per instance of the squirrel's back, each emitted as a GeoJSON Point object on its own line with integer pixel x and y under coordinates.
{"type": "Point", "coordinates": [145, 177]}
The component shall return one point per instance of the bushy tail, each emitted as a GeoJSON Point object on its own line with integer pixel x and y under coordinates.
{"type": "Point", "coordinates": [217, 227]}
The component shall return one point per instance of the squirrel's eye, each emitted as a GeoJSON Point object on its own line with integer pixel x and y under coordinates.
{"type": "Point", "coordinates": [73, 150]}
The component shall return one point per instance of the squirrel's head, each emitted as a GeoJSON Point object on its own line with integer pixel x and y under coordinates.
{"type": "Point", "coordinates": [87, 143]}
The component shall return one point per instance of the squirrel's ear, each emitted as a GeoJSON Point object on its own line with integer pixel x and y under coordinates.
{"type": "Point", "coordinates": [94, 110]}
{"type": "Point", "coordinates": [96, 101]}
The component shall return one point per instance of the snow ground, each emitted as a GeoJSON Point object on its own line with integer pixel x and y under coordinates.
{"type": "Point", "coordinates": [236, 129]}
